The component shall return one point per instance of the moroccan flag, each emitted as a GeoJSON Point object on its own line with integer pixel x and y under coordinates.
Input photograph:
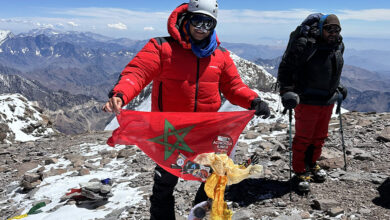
{"type": "Point", "coordinates": [174, 139]}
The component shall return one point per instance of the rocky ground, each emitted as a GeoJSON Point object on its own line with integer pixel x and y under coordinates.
{"type": "Point", "coordinates": [361, 192]}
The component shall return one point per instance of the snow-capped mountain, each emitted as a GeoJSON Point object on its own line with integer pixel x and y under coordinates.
{"type": "Point", "coordinates": [5, 35]}
{"type": "Point", "coordinates": [63, 49]}
{"type": "Point", "coordinates": [45, 31]}
{"type": "Point", "coordinates": [86, 39]}
{"type": "Point", "coordinates": [21, 120]}
{"type": "Point", "coordinates": [80, 63]}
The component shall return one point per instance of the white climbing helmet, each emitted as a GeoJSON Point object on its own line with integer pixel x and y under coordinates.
{"type": "Point", "coordinates": [208, 7]}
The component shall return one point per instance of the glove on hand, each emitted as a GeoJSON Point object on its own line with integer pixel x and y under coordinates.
{"type": "Point", "coordinates": [343, 90]}
{"type": "Point", "coordinates": [261, 108]}
{"type": "Point", "coordinates": [254, 159]}
{"type": "Point", "coordinates": [310, 20]}
{"type": "Point", "coordinates": [290, 100]}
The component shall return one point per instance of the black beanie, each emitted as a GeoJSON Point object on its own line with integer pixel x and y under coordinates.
{"type": "Point", "coordinates": [332, 19]}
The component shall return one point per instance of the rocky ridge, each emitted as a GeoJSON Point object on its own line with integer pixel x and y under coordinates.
{"type": "Point", "coordinates": [69, 113]}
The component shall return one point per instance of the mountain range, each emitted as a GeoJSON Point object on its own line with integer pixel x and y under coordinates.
{"type": "Point", "coordinates": [76, 62]}
{"type": "Point", "coordinates": [70, 74]}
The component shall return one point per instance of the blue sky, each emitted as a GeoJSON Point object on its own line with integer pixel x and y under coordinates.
{"type": "Point", "coordinates": [245, 21]}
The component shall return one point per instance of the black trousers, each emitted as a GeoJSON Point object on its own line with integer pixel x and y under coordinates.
{"type": "Point", "coordinates": [162, 202]}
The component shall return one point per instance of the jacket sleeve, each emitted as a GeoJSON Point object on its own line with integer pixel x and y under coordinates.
{"type": "Point", "coordinates": [291, 63]}
{"type": "Point", "coordinates": [139, 72]}
{"type": "Point", "coordinates": [232, 86]}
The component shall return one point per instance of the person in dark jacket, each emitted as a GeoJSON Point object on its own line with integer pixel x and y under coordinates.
{"type": "Point", "coordinates": [311, 67]}
{"type": "Point", "coordinates": [189, 70]}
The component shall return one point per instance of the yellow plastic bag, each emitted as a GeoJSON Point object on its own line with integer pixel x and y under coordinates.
{"type": "Point", "coordinates": [18, 217]}
{"type": "Point", "coordinates": [225, 173]}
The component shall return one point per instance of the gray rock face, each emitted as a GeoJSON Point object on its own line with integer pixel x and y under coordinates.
{"type": "Point", "coordinates": [5, 133]}
{"type": "Point", "coordinates": [242, 215]}
{"type": "Point", "coordinates": [385, 135]}
{"type": "Point", "coordinates": [335, 211]}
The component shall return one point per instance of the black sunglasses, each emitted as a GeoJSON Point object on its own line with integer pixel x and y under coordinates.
{"type": "Point", "coordinates": [331, 29]}
{"type": "Point", "coordinates": [203, 21]}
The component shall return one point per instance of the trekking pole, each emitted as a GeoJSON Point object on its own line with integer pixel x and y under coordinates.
{"type": "Point", "coordinates": [290, 100]}
{"type": "Point", "coordinates": [290, 147]}
{"type": "Point", "coordinates": [338, 111]}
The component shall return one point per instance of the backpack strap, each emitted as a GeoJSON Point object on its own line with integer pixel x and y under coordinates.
{"type": "Point", "coordinates": [161, 40]}
{"type": "Point", "coordinates": [321, 23]}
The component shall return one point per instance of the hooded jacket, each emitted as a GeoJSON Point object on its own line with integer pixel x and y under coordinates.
{"type": "Point", "coordinates": [312, 69]}
{"type": "Point", "coordinates": [182, 82]}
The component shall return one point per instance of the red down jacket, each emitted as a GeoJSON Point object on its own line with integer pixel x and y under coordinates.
{"type": "Point", "coordinates": [181, 81]}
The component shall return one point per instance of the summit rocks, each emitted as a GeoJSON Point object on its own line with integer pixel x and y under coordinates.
{"type": "Point", "coordinates": [357, 193]}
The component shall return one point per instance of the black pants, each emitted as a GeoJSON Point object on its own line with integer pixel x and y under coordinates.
{"type": "Point", "coordinates": [162, 202]}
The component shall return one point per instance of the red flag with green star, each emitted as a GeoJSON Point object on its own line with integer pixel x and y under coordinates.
{"type": "Point", "coordinates": [174, 139]}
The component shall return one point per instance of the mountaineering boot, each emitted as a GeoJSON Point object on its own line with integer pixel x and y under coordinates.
{"type": "Point", "coordinates": [319, 175]}
{"type": "Point", "coordinates": [302, 182]}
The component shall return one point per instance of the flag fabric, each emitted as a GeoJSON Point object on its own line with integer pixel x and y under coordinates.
{"type": "Point", "coordinates": [174, 139]}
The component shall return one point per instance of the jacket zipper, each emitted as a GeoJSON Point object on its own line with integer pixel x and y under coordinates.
{"type": "Point", "coordinates": [160, 107]}
{"type": "Point", "coordinates": [197, 83]}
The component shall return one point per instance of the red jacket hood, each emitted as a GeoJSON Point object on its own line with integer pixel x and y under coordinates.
{"type": "Point", "coordinates": [173, 29]}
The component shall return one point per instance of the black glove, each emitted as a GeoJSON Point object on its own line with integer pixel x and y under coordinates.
{"type": "Point", "coordinates": [261, 108]}
{"type": "Point", "coordinates": [254, 159]}
{"type": "Point", "coordinates": [119, 95]}
{"type": "Point", "coordinates": [343, 90]}
{"type": "Point", "coordinates": [290, 100]}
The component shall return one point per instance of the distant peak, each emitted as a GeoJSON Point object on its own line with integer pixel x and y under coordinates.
{"type": "Point", "coordinates": [4, 35]}
{"type": "Point", "coordinates": [46, 30]}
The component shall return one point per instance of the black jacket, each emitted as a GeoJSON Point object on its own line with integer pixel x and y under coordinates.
{"type": "Point", "coordinates": [312, 69]}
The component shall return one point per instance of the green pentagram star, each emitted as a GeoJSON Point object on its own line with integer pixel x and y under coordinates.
{"type": "Point", "coordinates": [180, 143]}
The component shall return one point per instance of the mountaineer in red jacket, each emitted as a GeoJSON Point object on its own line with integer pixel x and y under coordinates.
{"type": "Point", "coordinates": [189, 71]}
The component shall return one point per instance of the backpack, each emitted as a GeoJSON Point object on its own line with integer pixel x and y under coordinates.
{"type": "Point", "coordinates": [311, 36]}
{"type": "Point", "coordinates": [309, 28]}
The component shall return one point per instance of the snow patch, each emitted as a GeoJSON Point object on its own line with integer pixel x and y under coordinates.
{"type": "Point", "coordinates": [54, 187]}
{"type": "Point", "coordinates": [25, 50]}
{"type": "Point", "coordinates": [19, 114]}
